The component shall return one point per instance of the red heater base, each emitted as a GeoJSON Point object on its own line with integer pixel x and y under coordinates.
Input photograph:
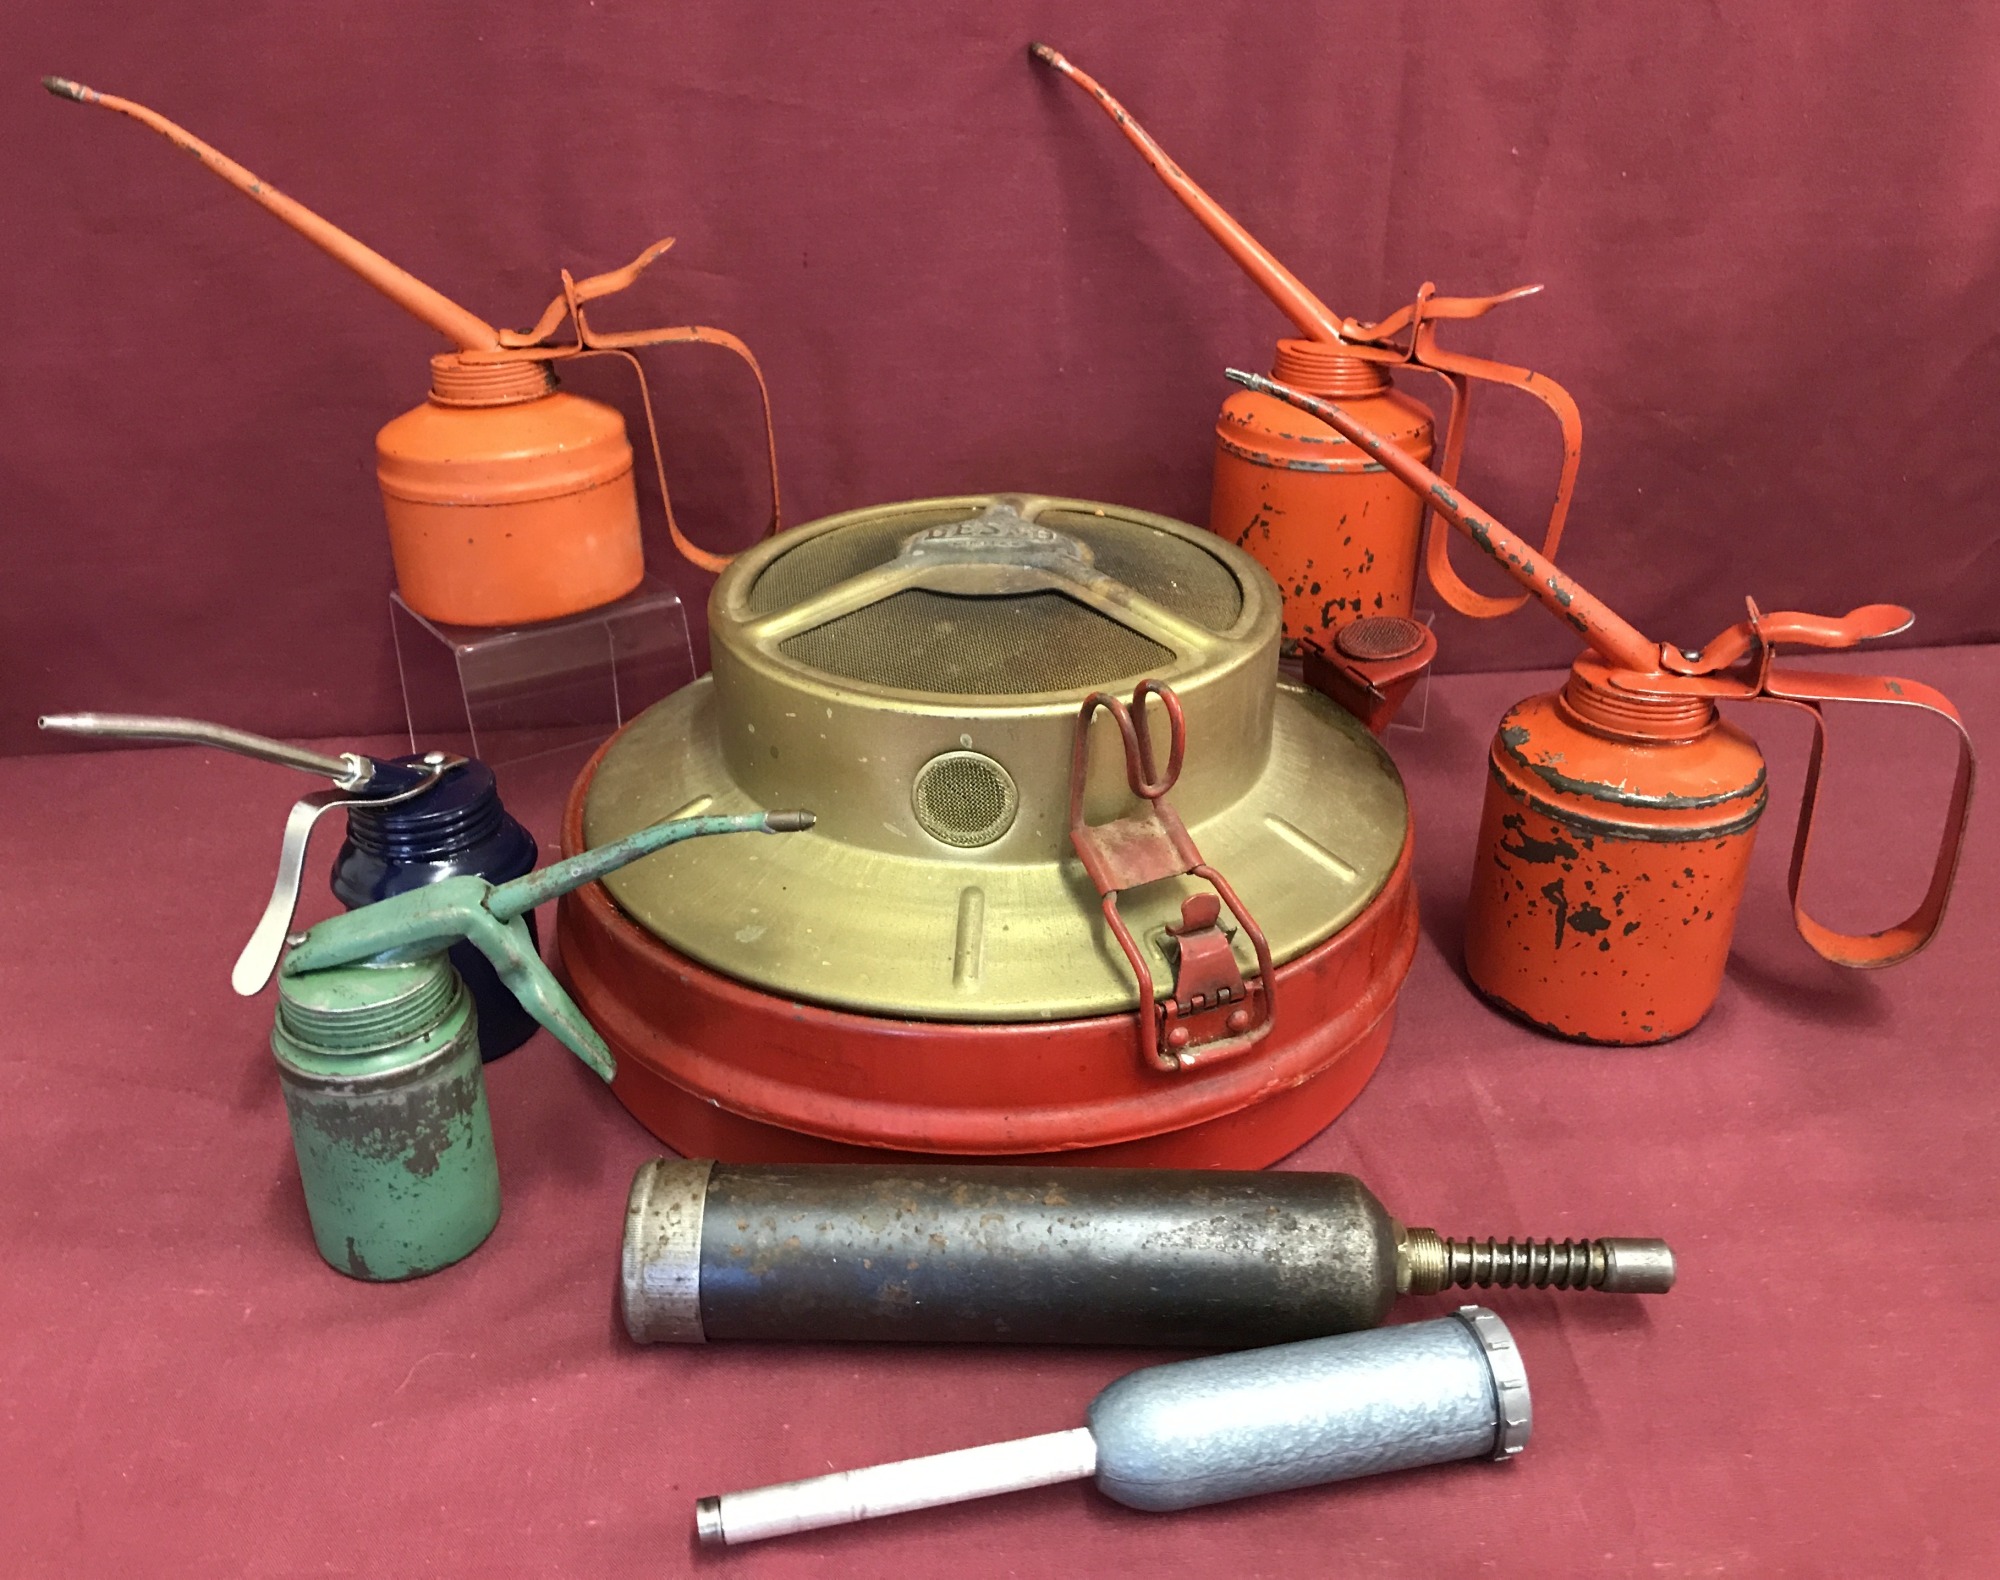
{"type": "Point", "coordinates": [719, 1069]}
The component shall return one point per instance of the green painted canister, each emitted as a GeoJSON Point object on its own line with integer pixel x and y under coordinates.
{"type": "Point", "coordinates": [387, 1100]}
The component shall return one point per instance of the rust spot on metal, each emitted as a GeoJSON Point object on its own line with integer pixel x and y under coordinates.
{"type": "Point", "coordinates": [1540, 852]}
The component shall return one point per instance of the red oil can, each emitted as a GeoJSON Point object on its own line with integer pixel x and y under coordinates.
{"type": "Point", "coordinates": [1340, 537]}
{"type": "Point", "coordinates": [508, 500]}
{"type": "Point", "coordinates": [1620, 810]}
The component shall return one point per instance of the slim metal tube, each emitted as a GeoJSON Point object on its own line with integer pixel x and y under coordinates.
{"type": "Point", "coordinates": [1596, 622]}
{"type": "Point", "coordinates": [350, 771]}
{"type": "Point", "coordinates": [1312, 316]}
{"type": "Point", "coordinates": [465, 329]}
{"type": "Point", "coordinates": [851, 1495]}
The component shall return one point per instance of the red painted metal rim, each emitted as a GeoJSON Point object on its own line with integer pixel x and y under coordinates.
{"type": "Point", "coordinates": [709, 1060]}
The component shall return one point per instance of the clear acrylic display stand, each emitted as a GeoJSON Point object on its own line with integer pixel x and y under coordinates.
{"type": "Point", "coordinates": [546, 694]}
{"type": "Point", "coordinates": [1415, 712]}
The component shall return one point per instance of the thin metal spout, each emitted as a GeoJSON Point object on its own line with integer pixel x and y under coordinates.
{"type": "Point", "coordinates": [463, 328]}
{"type": "Point", "coordinates": [1596, 622]}
{"type": "Point", "coordinates": [1315, 320]}
{"type": "Point", "coordinates": [350, 770]}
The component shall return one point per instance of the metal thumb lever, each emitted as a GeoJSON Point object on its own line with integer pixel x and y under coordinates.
{"type": "Point", "coordinates": [267, 939]}
{"type": "Point", "coordinates": [431, 919]}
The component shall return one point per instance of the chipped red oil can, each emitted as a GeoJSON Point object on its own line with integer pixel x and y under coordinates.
{"type": "Point", "coordinates": [1339, 535]}
{"type": "Point", "coordinates": [1621, 809]}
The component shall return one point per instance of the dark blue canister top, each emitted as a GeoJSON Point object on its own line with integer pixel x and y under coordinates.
{"type": "Point", "coordinates": [457, 829]}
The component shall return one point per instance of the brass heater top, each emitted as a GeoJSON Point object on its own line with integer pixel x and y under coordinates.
{"type": "Point", "coordinates": [913, 673]}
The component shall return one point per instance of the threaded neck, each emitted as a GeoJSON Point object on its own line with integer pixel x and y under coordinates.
{"type": "Point", "coordinates": [461, 812]}
{"type": "Point", "coordinates": [1592, 701]}
{"type": "Point", "coordinates": [354, 1010]}
{"type": "Point", "coordinates": [1327, 371]}
{"type": "Point", "coordinates": [458, 380]}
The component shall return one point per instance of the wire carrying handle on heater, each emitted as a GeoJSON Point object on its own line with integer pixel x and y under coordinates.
{"type": "Point", "coordinates": [1212, 1013]}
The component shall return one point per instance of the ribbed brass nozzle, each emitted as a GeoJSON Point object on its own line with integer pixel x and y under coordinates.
{"type": "Point", "coordinates": [1427, 1263]}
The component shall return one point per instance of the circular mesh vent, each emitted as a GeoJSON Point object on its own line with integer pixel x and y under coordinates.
{"type": "Point", "coordinates": [964, 799]}
{"type": "Point", "coordinates": [1379, 636]}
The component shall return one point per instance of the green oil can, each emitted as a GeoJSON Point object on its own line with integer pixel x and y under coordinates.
{"type": "Point", "coordinates": [377, 1042]}
{"type": "Point", "coordinates": [387, 1101]}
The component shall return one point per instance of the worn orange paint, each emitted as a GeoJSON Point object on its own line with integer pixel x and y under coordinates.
{"type": "Point", "coordinates": [1620, 811]}
{"type": "Point", "coordinates": [508, 501]}
{"type": "Point", "coordinates": [1338, 534]}
{"type": "Point", "coordinates": [1610, 863]}
{"type": "Point", "coordinates": [1342, 540]}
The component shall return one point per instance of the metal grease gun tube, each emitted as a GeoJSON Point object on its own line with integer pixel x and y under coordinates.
{"type": "Point", "coordinates": [1206, 1431]}
{"type": "Point", "coordinates": [1194, 1258]}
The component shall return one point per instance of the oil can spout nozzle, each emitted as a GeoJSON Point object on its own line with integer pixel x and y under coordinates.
{"type": "Point", "coordinates": [1314, 319]}
{"type": "Point", "coordinates": [349, 771]}
{"type": "Point", "coordinates": [491, 918]}
{"type": "Point", "coordinates": [1428, 1264]}
{"type": "Point", "coordinates": [463, 328]}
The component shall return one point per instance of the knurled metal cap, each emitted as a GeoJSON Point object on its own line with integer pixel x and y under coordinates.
{"type": "Point", "coordinates": [1514, 1411]}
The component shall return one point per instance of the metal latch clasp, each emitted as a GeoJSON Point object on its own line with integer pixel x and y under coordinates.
{"type": "Point", "coordinates": [1213, 1013]}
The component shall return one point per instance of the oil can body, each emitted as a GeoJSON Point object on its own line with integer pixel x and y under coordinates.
{"type": "Point", "coordinates": [509, 501]}
{"type": "Point", "coordinates": [1338, 534]}
{"type": "Point", "coordinates": [458, 828]}
{"type": "Point", "coordinates": [387, 1102]}
{"type": "Point", "coordinates": [1609, 868]}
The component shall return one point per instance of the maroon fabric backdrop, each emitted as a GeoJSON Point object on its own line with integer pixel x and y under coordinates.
{"type": "Point", "coordinates": [1768, 235]}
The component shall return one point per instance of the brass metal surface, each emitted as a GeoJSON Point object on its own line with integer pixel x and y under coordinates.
{"type": "Point", "coordinates": [1286, 794]}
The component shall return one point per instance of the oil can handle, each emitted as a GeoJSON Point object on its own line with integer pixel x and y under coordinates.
{"type": "Point", "coordinates": [693, 334]}
{"type": "Point", "coordinates": [1808, 690]}
{"type": "Point", "coordinates": [624, 343]}
{"type": "Point", "coordinates": [1458, 371]}
{"type": "Point", "coordinates": [267, 939]}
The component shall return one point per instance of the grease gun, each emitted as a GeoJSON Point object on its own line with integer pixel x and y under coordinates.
{"type": "Point", "coordinates": [1170, 1257]}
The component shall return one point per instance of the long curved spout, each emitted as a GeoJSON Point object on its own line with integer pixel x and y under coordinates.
{"type": "Point", "coordinates": [1314, 319]}
{"type": "Point", "coordinates": [1570, 602]}
{"type": "Point", "coordinates": [466, 330]}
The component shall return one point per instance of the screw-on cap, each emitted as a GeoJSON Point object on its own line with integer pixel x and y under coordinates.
{"type": "Point", "coordinates": [1516, 1415]}
{"type": "Point", "coordinates": [660, 1287]}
